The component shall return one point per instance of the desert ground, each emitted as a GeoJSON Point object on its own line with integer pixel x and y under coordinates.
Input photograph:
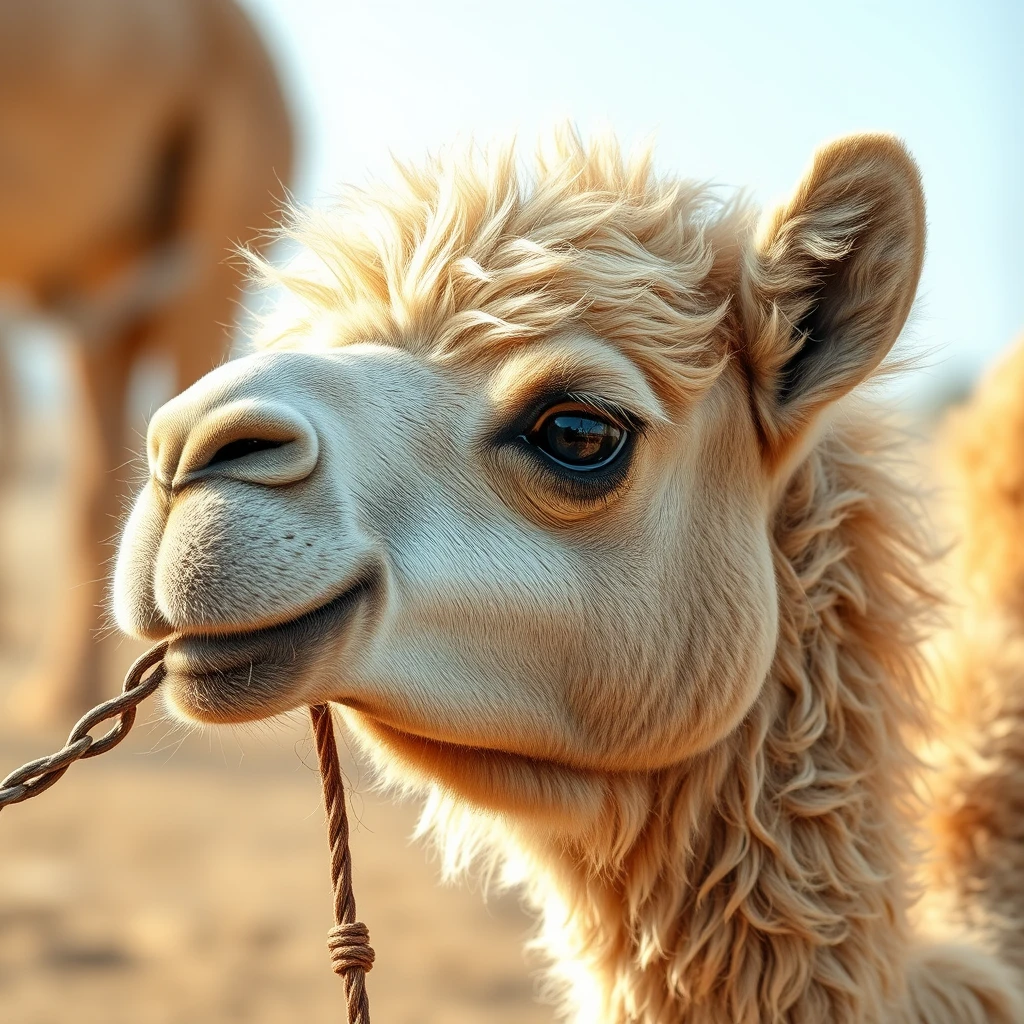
{"type": "Point", "coordinates": [183, 877]}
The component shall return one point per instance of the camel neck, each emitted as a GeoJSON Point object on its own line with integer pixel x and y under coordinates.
{"type": "Point", "coordinates": [764, 874]}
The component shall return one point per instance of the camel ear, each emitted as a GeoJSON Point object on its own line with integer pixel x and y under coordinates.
{"type": "Point", "coordinates": [830, 280]}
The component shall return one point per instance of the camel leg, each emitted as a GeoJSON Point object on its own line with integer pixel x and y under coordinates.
{"type": "Point", "coordinates": [9, 423]}
{"type": "Point", "coordinates": [100, 475]}
{"type": "Point", "coordinates": [71, 676]}
{"type": "Point", "coordinates": [99, 487]}
{"type": "Point", "coordinates": [8, 416]}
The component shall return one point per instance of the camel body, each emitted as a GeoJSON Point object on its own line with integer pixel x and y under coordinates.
{"type": "Point", "coordinates": [139, 141]}
{"type": "Point", "coordinates": [557, 487]}
{"type": "Point", "coordinates": [975, 818]}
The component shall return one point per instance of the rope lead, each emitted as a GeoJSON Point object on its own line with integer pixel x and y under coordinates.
{"type": "Point", "coordinates": [349, 940]}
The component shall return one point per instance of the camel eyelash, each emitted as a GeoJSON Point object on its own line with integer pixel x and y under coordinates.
{"type": "Point", "coordinates": [627, 419]}
{"type": "Point", "coordinates": [529, 414]}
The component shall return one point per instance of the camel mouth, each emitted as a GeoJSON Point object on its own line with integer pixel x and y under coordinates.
{"type": "Point", "coordinates": [242, 676]}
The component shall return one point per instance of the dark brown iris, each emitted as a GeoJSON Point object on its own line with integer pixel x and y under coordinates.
{"type": "Point", "coordinates": [578, 438]}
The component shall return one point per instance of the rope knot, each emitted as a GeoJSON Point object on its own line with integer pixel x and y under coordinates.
{"type": "Point", "coordinates": [350, 947]}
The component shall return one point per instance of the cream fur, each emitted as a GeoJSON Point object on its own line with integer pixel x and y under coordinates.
{"type": "Point", "coordinates": [679, 715]}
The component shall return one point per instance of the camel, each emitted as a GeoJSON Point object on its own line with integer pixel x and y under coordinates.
{"type": "Point", "coordinates": [976, 815]}
{"type": "Point", "coordinates": [140, 141]}
{"type": "Point", "coordinates": [558, 485]}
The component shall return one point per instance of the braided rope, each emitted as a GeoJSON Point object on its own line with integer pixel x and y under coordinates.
{"type": "Point", "coordinates": [39, 775]}
{"type": "Point", "coordinates": [349, 940]}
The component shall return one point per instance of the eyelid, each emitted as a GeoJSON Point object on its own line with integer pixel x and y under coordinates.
{"type": "Point", "coordinates": [582, 488]}
{"type": "Point", "coordinates": [622, 417]}
{"type": "Point", "coordinates": [526, 418]}
{"type": "Point", "coordinates": [572, 364]}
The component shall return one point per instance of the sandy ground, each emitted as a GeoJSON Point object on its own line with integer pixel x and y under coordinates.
{"type": "Point", "coordinates": [183, 878]}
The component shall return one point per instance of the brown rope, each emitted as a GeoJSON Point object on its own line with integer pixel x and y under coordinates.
{"type": "Point", "coordinates": [348, 941]}
{"type": "Point", "coordinates": [39, 775]}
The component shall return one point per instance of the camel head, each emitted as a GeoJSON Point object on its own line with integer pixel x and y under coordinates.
{"type": "Point", "coordinates": [501, 478]}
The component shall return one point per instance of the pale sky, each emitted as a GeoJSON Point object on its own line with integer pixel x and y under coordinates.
{"type": "Point", "coordinates": [738, 92]}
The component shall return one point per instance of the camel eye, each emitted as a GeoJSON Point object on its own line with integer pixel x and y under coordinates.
{"type": "Point", "coordinates": [578, 438]}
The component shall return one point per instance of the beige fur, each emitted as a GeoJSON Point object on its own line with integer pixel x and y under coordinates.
{"type": "Point", "coordinates": [978, 809]}
{"type": "Point", "coordinates": [677, 711]}
{"type": "Point", "coordinates": [140, 140]}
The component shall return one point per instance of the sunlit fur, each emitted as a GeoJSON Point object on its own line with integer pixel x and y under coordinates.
{"type": "Point", "coordinates": [684, 723]}
{"type": "Point", "coordinates": [978, 811]}
{"type": "Point", "coordinates": [464, 260]}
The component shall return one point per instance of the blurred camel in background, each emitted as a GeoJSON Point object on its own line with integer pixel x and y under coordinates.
{"type": "Point", "coordinates": [978, 817]}
{"type": "Point", "coordinates": [139, 141]}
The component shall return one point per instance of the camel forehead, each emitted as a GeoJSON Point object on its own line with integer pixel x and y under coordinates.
{"type": "Point", "coordinates": [573, 361]}
{"type": "Point", "coordinates": [469, 258]}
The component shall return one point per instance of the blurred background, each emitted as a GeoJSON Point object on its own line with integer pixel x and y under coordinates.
{"type": "Point", "coordinates": [184, 877]}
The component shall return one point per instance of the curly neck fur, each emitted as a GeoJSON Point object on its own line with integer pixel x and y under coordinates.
{"type": "Point", "coordinates": [761, 880]}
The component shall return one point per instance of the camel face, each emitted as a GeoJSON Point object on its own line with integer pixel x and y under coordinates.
{"type": "Point", "coordinates": [414, 540]}
{"type": "Point", "coordinates": [505, 484]}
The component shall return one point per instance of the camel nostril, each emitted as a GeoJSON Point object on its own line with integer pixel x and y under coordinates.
{"type": "Point", "coordinates": [188, 443]}
{"type": "Point", "coordinates": [243, 446]}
